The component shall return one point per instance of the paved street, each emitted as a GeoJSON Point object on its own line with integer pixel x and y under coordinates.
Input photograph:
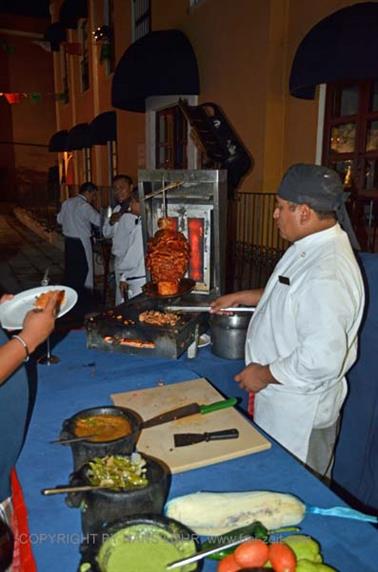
{"type": "Point", "coordinates": [25, 256]}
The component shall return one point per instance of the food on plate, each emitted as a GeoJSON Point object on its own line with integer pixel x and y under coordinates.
{"type": "Point", "coordinates": [228, 564]}
{"type": "Point", "coordinates": [135, 343]}
{"type": "Point", "coordinates": [210, 514]}
{"type": "Point", "coordinates": [167, 257]}
{"type": "Point", "coordinates": [43, 299]}
{"type": "Point", "coordinates": [102, 428]}
{"type": "Point", "coordinates": [156, 318]}
{"type": "Point", "coordinates": [146, 547]}
{"type": "Point", "coordinates": [118, 472]}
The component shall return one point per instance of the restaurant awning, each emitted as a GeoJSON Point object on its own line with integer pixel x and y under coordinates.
{"type": "Point", "coordinates": [343, 46]}
{"type": "Point", "coordinates": [71, 11]}
{"type": "Point", "coordinates": [56, 33]}
{"type": "Point", "coordinates": [79, 137]}
{"type": "Point", "coordinates": [103, 128]}
{"type": "Point", "coordinates": [160, 63]}
{"type": "Point", "coordinates": [58, 141]}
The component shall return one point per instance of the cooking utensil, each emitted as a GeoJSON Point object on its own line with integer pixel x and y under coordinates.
{"type": "Point", "coordinates": [186, 410]}
{"type": "Point", "coordinates": [72, 440]}
{"type": "Point", "coordinates": [204, 553]}
{"type": "Point", "coordinates": [208, 308]}
{"type": "Point", "coordinates": [71, 489]}
{"type": "Point", "coordinates": [45, 280]}
{"type": "Point", "coordinates": [163, 189]}
{"type": "Point", "coordinates": [184, 439]}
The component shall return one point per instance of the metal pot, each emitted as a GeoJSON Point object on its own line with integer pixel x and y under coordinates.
{"type": "Point", "coordinates": [228, 334]}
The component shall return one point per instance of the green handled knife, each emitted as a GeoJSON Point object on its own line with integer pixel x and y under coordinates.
{"type": "Point", "coordinates": [186, 410]}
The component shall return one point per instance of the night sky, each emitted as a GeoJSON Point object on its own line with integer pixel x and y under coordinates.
{"type": "Point", "coordinates": [36, 8]}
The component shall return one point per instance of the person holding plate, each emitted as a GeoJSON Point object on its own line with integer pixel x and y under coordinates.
{"type": "Point", "coordinates": [14, 391]}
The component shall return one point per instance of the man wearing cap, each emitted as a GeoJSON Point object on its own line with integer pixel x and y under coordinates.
{"type": "Point", "coordinates": [302, 338]}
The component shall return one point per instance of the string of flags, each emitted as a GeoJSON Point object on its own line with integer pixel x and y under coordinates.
{"type": "Point", "coordinates": [15, 97]}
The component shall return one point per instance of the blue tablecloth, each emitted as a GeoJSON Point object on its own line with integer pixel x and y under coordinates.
{"type": "Point", "coordinates": [86, 378]}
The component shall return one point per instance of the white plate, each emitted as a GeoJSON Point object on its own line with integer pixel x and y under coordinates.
{"type": "Point", "coordinates": [13, 312]}
{"type": "Point", "coordinates": [204, 340]}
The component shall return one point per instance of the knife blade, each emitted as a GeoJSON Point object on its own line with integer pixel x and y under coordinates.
{"type": "Point", "coordinates": [198, 309]}
{"type": "Point", "coordinates": [186, 410]}
{"type": "Point", "coordinates": [204, 553]}
{"type": "Point", "coordinates": [184, 439]}
{"type": "Point", "coordinates": [45, 280]}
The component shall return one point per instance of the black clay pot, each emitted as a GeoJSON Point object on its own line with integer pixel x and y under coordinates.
{"type": "Point", "coordinates": [104, 506]}
{"type": "Point", "coordinates": [82, 451]}
{"type": "Point", "coordinates": [97, 548]}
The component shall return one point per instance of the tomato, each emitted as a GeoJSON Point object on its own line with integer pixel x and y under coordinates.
{"type": "Point", "coordinates": [228, 564]}
{"type": "Point", "coordinates": [252, 553]}
{"type": "Point", "coordinates": [282, 557]}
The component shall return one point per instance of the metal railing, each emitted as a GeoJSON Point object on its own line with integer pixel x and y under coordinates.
{"type": "Point", "coordinates": [256, 245]}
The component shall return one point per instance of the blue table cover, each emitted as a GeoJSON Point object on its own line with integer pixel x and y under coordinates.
{"type": "Point", "coordinates": [86, 378]}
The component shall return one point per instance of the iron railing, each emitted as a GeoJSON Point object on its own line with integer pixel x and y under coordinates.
{"type": "Point", "coordinates": [256, 245]}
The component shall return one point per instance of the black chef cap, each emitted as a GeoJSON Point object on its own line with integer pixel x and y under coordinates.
{"type": "Point", "coordinates": [321, 189]}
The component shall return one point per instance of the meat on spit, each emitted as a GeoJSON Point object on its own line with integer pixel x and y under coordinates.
{"type": "Point", "coordinates": [167, 257]}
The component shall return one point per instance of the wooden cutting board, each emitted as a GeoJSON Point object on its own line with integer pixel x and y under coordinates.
{"type": "Point", "coordinates": [158, 441]}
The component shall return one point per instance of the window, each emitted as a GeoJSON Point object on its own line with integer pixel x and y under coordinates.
{"type": "Point", "coordinates": [107, 48]}
{"type": "Point", "coordinates": [64, 70]}
{"type": "Point", "coordinates": [84, 62]}
{"type": "Point", "coordinates": [171, 139]}
{"type": "Point", "coordinates": [141, 18]}
{"type": "Point", "coordinates": [351, 147]}
{"type": "Point", "coordinates": [351, 133]}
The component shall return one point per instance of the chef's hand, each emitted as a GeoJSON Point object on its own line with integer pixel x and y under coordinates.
{"type": "Point", "coordinates": [6, 298]}
{"type": "Point", "coordinates": [255, 377]}
{"type": "Point", "coordinates": [123, 286]}
{"type": "Point", "coordinates": [38, 325]}
{"type": "Point", "coordinates": [226, 301]}
{"type": "Point", "coordinates": [244, 297]}
{"type": "Point", "coordinates": [114, 218]}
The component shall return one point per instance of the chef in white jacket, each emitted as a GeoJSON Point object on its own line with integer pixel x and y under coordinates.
{"type": "Point", "coordinates": [133, 275]}
{"type": "Point", "coordinates": [77, 216]}
{"type": "Point", "coordinates": [115, 227]}
{"type": "Point", "coordinates": [302, 338]}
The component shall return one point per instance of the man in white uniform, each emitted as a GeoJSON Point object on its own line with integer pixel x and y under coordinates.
{"type": "Point", "coordinates": [302, 338]}
{"type": "Point", "coordinates": [77, 216]}
{"type": "Point", "coordinates": [112, 228]}
{"type": "Point", "coordinates": [132, 262]}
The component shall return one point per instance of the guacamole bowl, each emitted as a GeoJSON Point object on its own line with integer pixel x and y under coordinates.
{"type": "Point", "coordinates": [140, 543]}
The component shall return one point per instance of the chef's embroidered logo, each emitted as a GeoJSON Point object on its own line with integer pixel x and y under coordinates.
{"type": "Point", "coordinates": [284, 280]}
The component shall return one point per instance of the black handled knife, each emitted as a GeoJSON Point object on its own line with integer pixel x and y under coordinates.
{"type": "Point", "coordinates": [183, 439]}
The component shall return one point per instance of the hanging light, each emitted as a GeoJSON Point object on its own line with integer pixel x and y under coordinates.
{"type": "Point", "coordinates": [102, 33]}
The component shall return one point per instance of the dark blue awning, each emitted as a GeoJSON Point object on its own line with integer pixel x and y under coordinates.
{"type": "Point", "coordinates": [71, 11]}
{"type": "Point", "coordinates": [343, 46]}
{"type": "Point", "coordinates": [56, 33]}
{"type": "Point", "coordinates": [58, 141]}
{"type": "Point", "coordinates": [79, 137]}
{"type": "Point", "coordinates": [160, 63]}
{"type": "Point", "coordinates": [103, 128]}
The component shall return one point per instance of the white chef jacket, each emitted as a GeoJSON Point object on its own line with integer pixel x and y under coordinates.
{"type": "Point", "coordinates": [76, 217]}
{"type": "Point", "coordinates": [116, 232]}
{"type": "Point", "coordinates": [306, 331]}
{"type": "Point", "coordinates": [131, 263]}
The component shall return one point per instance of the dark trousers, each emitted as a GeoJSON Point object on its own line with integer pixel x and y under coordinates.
{"type": "Point", "coordinates": [75, 264]}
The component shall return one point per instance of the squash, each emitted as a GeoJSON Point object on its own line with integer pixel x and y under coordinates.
{"type": "Point", "coordinates": [212, 514]}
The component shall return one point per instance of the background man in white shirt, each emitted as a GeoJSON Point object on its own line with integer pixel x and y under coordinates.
{"type": "Point", "coordinates": [134, 272]}
{"type": "Point", "coordinates": [77, 216]}
{"type": "Point", "coordinates": [302, 338]}
{"type": "Point", "coordinates": [123, 186]}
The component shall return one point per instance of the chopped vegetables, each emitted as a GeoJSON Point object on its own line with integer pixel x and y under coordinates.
{"type": "Point", "coordinates": [118, 472]}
